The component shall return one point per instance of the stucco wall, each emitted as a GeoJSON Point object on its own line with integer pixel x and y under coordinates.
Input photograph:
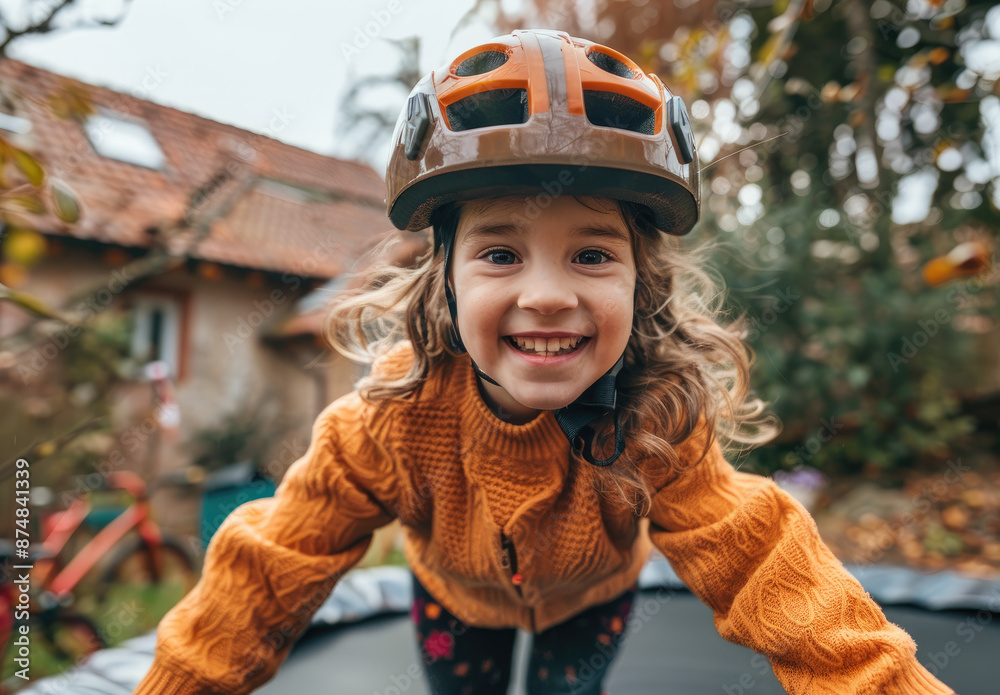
{"type": "Point", "coordinates": [227, 366]}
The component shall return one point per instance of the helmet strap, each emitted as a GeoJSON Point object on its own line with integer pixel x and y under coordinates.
{"type": "Point", "coordinates": [446, 236]}
{"type": "Point", "coordinates": [599, 398]}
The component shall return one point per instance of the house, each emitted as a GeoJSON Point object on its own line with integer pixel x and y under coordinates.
{"type": "Point", "coordinates": [258, 224]}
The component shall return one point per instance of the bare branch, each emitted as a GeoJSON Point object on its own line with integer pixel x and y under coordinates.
{"type": "Point", "coordinates": [46, 448]}
{"type": "Point", "coordinates": [34, 305]}
{"type": "Point", "coordinates": [44, 25]}
{"type": "Point", "coordinates": [474, 12]}
{"type": "Point", "coordinates": [160, 260]}
{"type": "Point", "coordinates": [860, 24]}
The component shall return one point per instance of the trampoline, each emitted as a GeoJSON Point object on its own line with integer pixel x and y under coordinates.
{"type": "Point", "coordinates": [361, 641]}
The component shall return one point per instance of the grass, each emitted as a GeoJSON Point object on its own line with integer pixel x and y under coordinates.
{"type": "Point", "coordinates": [127, 612]}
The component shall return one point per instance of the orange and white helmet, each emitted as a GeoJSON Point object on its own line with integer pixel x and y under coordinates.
{"type": "Point", "coordinates": [542, 111]}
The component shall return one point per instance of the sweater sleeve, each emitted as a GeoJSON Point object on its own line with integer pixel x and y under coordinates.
{"type": "Point", "coordinates": [273, 562]}
{"type": "Point", "coordinates": [753, 554]}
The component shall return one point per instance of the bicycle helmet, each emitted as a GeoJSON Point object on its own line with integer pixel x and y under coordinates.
{"type": "Point", "coordinates": [541, 111]}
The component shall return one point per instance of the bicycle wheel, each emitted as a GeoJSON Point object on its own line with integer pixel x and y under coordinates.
{"type": "Point", "coordinates": [134, 595]}
{"type": "Point", "coordinates": [71, 637]}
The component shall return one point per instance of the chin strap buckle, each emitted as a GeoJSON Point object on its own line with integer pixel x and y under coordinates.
{"type": "Point", "coordinates": [588, 438]}
{"type": "Point", "coordinates": [600, 398]}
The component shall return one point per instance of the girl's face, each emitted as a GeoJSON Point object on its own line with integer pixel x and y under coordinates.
{"type": "Point", "coordinates": [562, 276]}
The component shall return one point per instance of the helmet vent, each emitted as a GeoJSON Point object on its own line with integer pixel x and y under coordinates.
{"type": "Point", "coordinates": [495, 107]}
{"type": "Point", "coordinates": [613, 110]}
{"type": "Point", "coordinates": [480, 63]}
{"type": "Point", "coordinates": [610, 64]}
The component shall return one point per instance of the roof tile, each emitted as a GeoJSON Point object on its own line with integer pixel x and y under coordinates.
{"type": "Point", "coordinates": [319, 230]}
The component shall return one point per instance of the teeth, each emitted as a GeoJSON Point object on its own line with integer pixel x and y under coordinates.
{"type": "Point", "coordinates": [551, 345]}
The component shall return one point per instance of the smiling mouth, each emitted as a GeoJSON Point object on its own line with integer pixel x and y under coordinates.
{"type": "Point", "coordinates": [551, 347]}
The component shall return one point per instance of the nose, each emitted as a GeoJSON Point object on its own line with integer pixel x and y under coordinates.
{"type": "Point", "coordinates": [545, 290]}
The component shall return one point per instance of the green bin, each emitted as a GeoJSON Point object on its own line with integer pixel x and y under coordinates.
{"type": "Point", "coordinates": [225, 490]}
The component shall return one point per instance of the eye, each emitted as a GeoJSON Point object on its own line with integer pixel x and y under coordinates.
{"type": "Point", "coordinates": [503, 253]}
{"type": "Point", "coordinates": [594, 255]}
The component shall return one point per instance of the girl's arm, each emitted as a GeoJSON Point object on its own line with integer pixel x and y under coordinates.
{"type": "Point", "coordinates": [274, 561]}
{"type": "Point", "coordinates": [753, 554]}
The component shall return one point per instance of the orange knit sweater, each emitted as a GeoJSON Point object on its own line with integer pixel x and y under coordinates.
{"type": "Point", "coordinates": [481, 499]}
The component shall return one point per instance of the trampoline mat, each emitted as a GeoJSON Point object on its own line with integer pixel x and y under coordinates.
{"type": "Point", "coordinates": [675, 650]}
{"type": "Point", "coordinates": [362, 642]}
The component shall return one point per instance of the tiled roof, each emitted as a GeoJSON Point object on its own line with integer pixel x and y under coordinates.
{"type": "Point", "coordinates": [326, 216]}
{"type": "Point", "coordinates": [405, 252]}
{"type": "Point", "coordinates": [315, 239]}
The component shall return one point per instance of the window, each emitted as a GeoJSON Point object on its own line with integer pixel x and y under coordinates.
{"type": "Point", "coordinates": [157, 331]}
{"type": "Point", "coordinates": [127, 141]}
{"type": "Point", "coordinates": [285, 191]}
{"type": "Point", "coordinates": [13, 120]}
{"type": "Point", "coordinates": [14, 124]}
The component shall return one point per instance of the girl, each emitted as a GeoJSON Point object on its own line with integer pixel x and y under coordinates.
{"type": "Point", "coordinates": [543, 408]}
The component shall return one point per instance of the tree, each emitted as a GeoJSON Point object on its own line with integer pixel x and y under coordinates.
{"type": "Point", "coordinates": [47, 399]}
{"type": "Point", "coordinates": [44, 18]}
{"type": "Point", "coordinates": [842, 107]}
{"type": "Point", "coordinates": [817, 120]}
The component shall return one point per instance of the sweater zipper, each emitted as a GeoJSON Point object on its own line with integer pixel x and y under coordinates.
{"type": "Point", "coordinates": [509, 559]}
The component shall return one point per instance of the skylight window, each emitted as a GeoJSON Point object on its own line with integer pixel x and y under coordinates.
{"type": "Point", "coordinates": [126, 141]}
{"type": "Point", "coordinates": [279, 189]}
{"type": "Point", "coordinates": [14, 124]}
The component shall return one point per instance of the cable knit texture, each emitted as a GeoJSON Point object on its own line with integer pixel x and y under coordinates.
{"type": "Point", "coordinates": [462, 481]}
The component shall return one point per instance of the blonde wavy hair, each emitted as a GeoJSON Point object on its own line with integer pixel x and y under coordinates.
{"type": "Point", "coordinates": [682, 366]}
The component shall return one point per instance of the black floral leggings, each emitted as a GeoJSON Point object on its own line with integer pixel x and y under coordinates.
{"type": "Point", "coordinates": [572, 657]}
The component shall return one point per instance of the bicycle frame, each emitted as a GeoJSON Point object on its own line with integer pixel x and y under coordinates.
{"type": "Point", "coordinates": [136, 516]}
{"type": "Point", "coordinates": [7, 610]}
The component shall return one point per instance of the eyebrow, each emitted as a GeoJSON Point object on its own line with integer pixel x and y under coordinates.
{"type": "Point", "coordinates": [508, 230]}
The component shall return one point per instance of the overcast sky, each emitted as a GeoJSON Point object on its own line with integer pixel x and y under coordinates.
{"type": "Point", "coordinates": [242, 61]}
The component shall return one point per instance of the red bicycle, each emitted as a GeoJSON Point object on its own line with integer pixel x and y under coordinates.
{"type": "Point", "coordinates": [140, 575]}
